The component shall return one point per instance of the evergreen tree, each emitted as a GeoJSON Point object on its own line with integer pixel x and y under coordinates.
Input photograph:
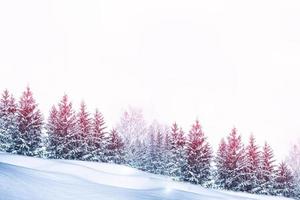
{"type": "Point", "coordinates": [159, 153]}
{"type": "Point", "coordinates": [8, 127]}
{"type": "Point", "coordinates": [234, 163]}
{"type": "Point", "coordinates": [266, 171]}
{"type": "Point", "coordinates": [167, 156]}
{"type": "Point", "coordinates": [178, 153]}
{"type": "Point", "coordinates": [284, 181]}
{"type": "Point", "coordinates": [251, 184]}
{"type": "Point", "coordinates": [69, 129]}
{"type": "Point", "coordinates": [199, 155]}
{"type": "Point", "coordinates": [54, 138]}
{"type": "Point", "coordinates": [154, 159]}
{"type": "Point", "coordinates": [30, 123]}
{"type": "Point", "coordinates": [115, 148]}
{"type": "Point", "coordinates": [83, 133]}
{"type": "Point", "coordinates": [97, 141]}
{"type": "Point", "coordinates": [220, 160]}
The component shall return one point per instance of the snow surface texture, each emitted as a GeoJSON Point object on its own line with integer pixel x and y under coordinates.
{"type": "Point", "coordinates": [27, 178]}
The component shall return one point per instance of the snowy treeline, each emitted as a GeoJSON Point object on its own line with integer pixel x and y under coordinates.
{"type": "Point", "coordinates": [159, 149]}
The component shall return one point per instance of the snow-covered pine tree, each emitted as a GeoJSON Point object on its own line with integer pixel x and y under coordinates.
{"type": "Point", "coordinates": [199, 155]}
{"type": "Point", "coordinates": [115, 148]}
{"type": "Point", "coordinates": [266, 171]}
{"type": "Point", "coordinates": [178, 153]}
{"type": "Point", "coordinates": [251, 184]}
{"type": "Point", "coordinates": [83, 133]}
{"type": "Point", "coordinates": [159, 152]}
{"type": "Point", "coordinates": [284, 181]}
{"type": "Point", "coordinates": [66, 129]}
{"type": "Point", "coordinates": [220, 162]}
{"type": "Point", "coordinates": [30, 123]}
{"type": "Point", "coordinates": [54, 140]}
{"type": "Point", "coordinates": [235, 162]}
{"type": "Point", "coordinates": [97, 141]}
{"type": "Point", "coordinates": [7, 125]}
{"type": "Point", "coordinates": [167, 156]}
{"type": "Point", "coordinates": [154, 157]}
{"type": "Point", "coordinates": [151, 157]}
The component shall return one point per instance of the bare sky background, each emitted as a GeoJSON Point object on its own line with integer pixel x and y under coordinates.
{"type": "Point", "coordinates": [227, 63]}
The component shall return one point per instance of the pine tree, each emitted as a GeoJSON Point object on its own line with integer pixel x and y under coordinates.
{"type": "Point", "coordinates": [154, 159]}
{"type": "Point", "coordinates": [266, 171]}
{"type": "Point", "coordinates": [220, 160]}
{"type": "Point", "coordinates": [178, 153]}
{"type": "Point", "coordinates": [54, 140]}
{"type": "Point", "coordinates": [199, 155]}
{"type": "Point", "coordinates": [167, 156]}
{"type": "Point", "coordinates": [30, 123]}
{"type": "Point", "coordinates": [115, 148]}
{"type": "Point", "coordinates": [7, 125]}
{"type": "Point", "coordinates": [151, 156]}
{"type": "Point", "coordinates": [83, 133]}
{"type": "Point", "coordinates": [251, 184]}
{"type": "Point", "coordinates": [284, 181]}
{"type": "Point", "coordinates": [234, 163]}
{"type": "Point", "coordinates": [159, 153]}
{"type": "Point", "coordinates": [97, 141]}
{"type": "Point", "coordinates": [61, 129]}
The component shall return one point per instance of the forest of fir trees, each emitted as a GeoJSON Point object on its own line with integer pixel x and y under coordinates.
{"type": "Point", "coordinates": [158, 149]}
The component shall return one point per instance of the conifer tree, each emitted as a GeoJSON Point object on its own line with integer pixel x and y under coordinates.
{"type": "Point", "coordinates": [266, 171]}
{"type": "Point", "coordinates": [178, 153]}
{"type": "Point", "coordinates": [30, 123]}
{"type": "Point", "coordinates": [199, 155]}
{"type": "Point", "coordinates": [61, 129]}
{"type": "Point", "coordinates": [284, 181]}
{"type": "Point", "coordinates": [115, 148]}
{"type": "Point", "coordinates": [54, 138]}
{"type": "Point", "coordinates": [159, 153]}
{"type": "Point", "coordinates": [154, 159]}
{"type": "Point", "coordinates": [251, 184]}
{"type": "Point", "coordinates": [7, 119]}
{"type": "Point", "coordinates": [232, 171]}
{"type": "Point", "coordinates": [167, 156]}
{"type": "Point", "coordinates": [83, 133]}
{"type": "Point", "coordinates": [97, 141]}
{"type": "Point", "coordinates": [220, 160]}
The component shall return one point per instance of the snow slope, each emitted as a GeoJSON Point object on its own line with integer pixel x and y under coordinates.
{"type": "Point", "coordinates": [26, 178]}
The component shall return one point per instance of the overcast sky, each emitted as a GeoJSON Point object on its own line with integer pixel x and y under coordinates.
{"type": "Point", "coordinates": [227, 63]}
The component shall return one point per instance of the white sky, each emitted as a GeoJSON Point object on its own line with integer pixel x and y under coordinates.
{"type": "Point", "coordinates": [227, 63]}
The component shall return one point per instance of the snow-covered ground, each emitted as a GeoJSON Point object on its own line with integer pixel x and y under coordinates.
{"type": "Point", "coordinates": [26, 178]}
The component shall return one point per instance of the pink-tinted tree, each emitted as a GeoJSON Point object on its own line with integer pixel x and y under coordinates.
{"type": "Point", "coordinates": [199, 155]}
{"type": "Point", "coordinates": [266, 173]}
{"type": "Point", "coordinates": [284, 181]}
{"type": "Point", "coordinates": [220, 162]}
{"type": "Point", "coordinates": [251, 184]}
{"type": "Point", "coordinates": [115, 148]}
{"type": "Point", "coordinates": [83, 132]}
{"type": "Point", "coordinates": [97, 141]}
{"type": "Point", "coordinates": [233, 164]}
{"type": "Point", "coordinates": [30, 123]}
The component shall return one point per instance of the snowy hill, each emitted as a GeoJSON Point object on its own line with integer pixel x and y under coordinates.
{"type": "Point", "coordinates": [26, 178]}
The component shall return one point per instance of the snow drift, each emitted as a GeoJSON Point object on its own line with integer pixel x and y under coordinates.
{"type": "Point", "coordinates": [27, 178]}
